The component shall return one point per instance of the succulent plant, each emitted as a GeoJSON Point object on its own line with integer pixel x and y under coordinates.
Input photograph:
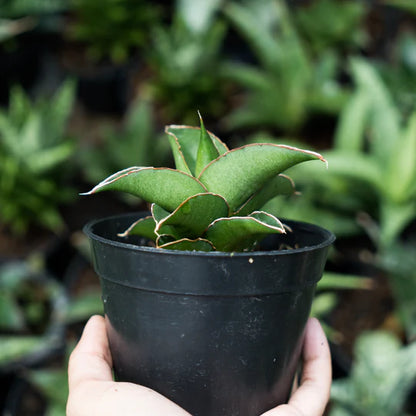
{"type": "Point", "coordinates": [213, 199]}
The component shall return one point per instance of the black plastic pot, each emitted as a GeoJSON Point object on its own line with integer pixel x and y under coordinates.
{"type": "Point", "coordinates": [217, 333]}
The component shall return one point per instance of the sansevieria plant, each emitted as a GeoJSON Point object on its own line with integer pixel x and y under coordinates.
{"type": "Point", "coordinates": [213, 199]}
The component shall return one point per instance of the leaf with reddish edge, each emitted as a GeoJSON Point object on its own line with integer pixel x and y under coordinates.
{"type": "Point", "coordinates": [194, 216]}
{"type": "Point", "coordinates": [242, 233]}
{"type": "Point", "coordinates": [279, 185]}
{"type": "Point", "coordinates": [158, 213]}
{"type": "Point", "coordinates": [187, 244]}
{"type": "Point", "coordinates": [167, 188]}
{"type": "Point", "coordinates": [144, 227]}
{"type": "Point", "coordinates": [184, 141]}
{"type": "Point", "coordinates": [239, 173]}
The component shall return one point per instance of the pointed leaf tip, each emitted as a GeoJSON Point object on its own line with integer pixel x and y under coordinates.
{"type": "Point", "coordinates": [206, 149]}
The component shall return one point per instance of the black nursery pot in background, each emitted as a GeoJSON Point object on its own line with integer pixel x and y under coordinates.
{"type": "Point", "coordinates": [218, 333]}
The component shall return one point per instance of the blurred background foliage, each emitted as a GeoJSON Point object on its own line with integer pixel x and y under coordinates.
{"type": "Point", "coordinates": [86, 88]}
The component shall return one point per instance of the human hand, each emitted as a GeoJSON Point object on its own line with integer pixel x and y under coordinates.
{"type": "Point", "coordinates": [92, 390]}
{"type": "Point", "coordinates": [311, 397]}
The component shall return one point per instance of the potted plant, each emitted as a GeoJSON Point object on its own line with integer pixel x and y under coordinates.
{"type": "Point", "coordinates": [206, 299]}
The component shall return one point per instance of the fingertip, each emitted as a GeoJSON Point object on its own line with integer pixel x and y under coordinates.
{"type": "Point", "coordinates": [316, 344]}
{"type": "Point", "coordinates": [91, 358]}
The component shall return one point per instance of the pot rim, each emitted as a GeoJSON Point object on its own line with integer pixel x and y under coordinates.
{"type": "Point", "coordinates": [327, 239]}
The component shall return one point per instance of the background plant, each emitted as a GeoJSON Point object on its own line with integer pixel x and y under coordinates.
{"type": "Point", "coordinates": [382, 376]}
{"type": "Point", "coordinates": [113, 28]}
{"type": "Point", "coordinates": [134, 142]}
{"type": "Point", "coordinates": [330, 24]}
{"type": "Point", "coordinates": [33, 147]}
{"type": "Point", "coordinates": [32, 310]}
{"type": "Point", "coordinates": [285, 85]}
{"type": "Point", "coordinates": [371, 180]}
{"type": "Point", "coordinates": [186, 60]}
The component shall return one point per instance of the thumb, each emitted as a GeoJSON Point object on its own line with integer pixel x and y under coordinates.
{"type": "Point", "coordinates": [91, 358]}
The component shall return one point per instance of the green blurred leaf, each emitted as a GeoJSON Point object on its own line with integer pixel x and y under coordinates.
{"type": "Point", "coordinates": [14, 348]}
{"type": "Point", "coordinates": [385, 117]}
{"type": "Point", "coordinates": [332, 24]}
{"type": "Point", "coordinates": [350, 131]}
{"type": "Point", "coordinates": [84, 306]}
{"type": "Point", "coordinates": [401, 172]}
{"type": "Point", "coordinates": [11, 316]}
{"type": "Point", "coordinates": [343, 281]}
{"type": "Point", "coordinates": [198, 14]}
{"type": "Point", "coordinates": [382, 375]}
{"type": "Point", "coordinates": [323, 304]}
{"type": "Point", "coordinates": [352, 165]}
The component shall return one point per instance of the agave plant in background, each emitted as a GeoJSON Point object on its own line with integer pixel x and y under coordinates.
{"type": "Point", "coordinates": [399, 75]}
{"type": "Point", "coordinates": [194, 207]}
{"type": "Point", "coordinates": [32, 312]}
{"type": "Point", "coordinates": [185, 59]}
{"type": "Point", "coordinates": [332, 24]}
{"type": "Point", "coordinates": [372, 182]}
{"type": "Point", "coordinates": [112, 28]}
{"type": "Point", "coordinates": [33, 147]}
{"type": "Point", "coordinates": [135, 142]}
{"type": "Point", "coordinates": [382, 376]}
{"type": "Point", "coordinates": [286, 85]}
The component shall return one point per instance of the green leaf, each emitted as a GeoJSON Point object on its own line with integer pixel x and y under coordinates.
{"type": "Point", "coordinates": [242, 233]}
{"type": "Point", "coordinates": [194, 216]}
{"type": "Point", "coordinates": [46, 159]}
{"type": "Point", "coordinates": [239, 173]}
{"type": "Point", "coordinates": [207, 151]}
{"type": "Point", "coordinates": [186, 244]}
{"type": "Point", "coordinates": [323, 303]}
{"type": "Point", "coordinates": [198, 14]}
{"type": "Point", "coordinates": [158, 213]}
{"type": "Point", "coordinates": [401, 172]}
{"type": "Point", "coordinates": [54, 386]}
{"type": "Point", "coordinates": [15, 347]}
{"type": "Point", "coordinates": [184, 141]}
{"type": "Point", "coordinates": [11, 316]}
{"type": "Point", "coordinates": [343, 281]}
{"type": "Point", "coordinates": [393, 220]}
{"type": "Point", "coordinates": [145, 227]}
{"type": "Point", "coordinates": [350, 133]}
{"type": "Point", "coordinates": [361, 167]}
{"type": "Point", "coordinates": [84, 306]}
{"type": "Point", "coordinates": [279, 185]}
{"type": "Point", "coordinates": [381, 377]}
{"type": "Point", "coordinates": [165, 187]}
{"type": "Point", "coordinates": [384, 115]}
